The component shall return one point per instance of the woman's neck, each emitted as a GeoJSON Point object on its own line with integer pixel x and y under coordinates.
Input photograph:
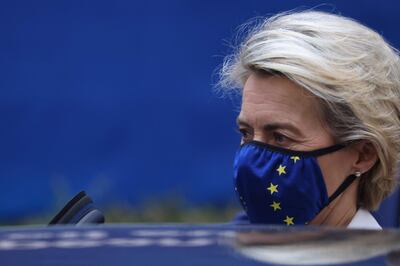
{"type": "Point", "coordinates": [341, 211]}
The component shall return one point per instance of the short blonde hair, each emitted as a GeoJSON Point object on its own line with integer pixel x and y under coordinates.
{"type": "Point", "coordinates": [349, 67]}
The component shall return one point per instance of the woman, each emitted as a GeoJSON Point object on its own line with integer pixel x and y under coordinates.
{"type": "Point", "coordinates": [320, 120]}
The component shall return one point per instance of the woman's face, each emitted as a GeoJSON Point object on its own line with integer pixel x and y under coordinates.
{"type": "Point", "coordinates": [277, 111]}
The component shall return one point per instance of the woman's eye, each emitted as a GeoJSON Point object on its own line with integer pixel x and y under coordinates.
{"type": "Point", "coordinates": [245, 134]}
{"type": "Point", "coordinates": [280, 139]}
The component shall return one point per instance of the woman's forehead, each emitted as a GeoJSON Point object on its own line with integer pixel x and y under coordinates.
{"type": "Point", "coordinates": [272, 99]}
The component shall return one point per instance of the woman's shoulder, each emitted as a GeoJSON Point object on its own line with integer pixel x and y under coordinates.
{"type": "Point", "coordinates": [364, 220]}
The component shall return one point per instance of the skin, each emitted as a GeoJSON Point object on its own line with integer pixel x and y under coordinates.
{"type": "Point", "coordinates": [269, 102]}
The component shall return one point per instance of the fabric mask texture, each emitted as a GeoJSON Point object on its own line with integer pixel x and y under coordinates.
{"type": "Point", "coordinates": [280, 186]}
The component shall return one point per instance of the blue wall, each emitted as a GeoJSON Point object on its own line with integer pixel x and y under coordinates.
{"type": "Point", "coordinates": [115, 97]}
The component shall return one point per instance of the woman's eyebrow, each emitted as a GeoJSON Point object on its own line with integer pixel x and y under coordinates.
{"type": "Point", "coordinates": [241, 122]}
{"type": "Point", "coordinates": [272, 126]}
{"type": "Point", "coordinates": [287, 126]}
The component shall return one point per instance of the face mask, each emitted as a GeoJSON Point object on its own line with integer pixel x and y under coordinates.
{"type": "Point", "coordinates": [281, 186]}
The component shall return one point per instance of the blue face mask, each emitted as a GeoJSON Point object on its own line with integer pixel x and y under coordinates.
{"type": "Point", "coordinates": [281, 186]}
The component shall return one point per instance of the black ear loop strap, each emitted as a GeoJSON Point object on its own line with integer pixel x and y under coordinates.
{"type": "Point", "coordinates": [346, 183]}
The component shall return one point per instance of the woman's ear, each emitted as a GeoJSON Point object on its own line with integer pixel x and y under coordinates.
{"type": "Point", "coordinates": [367, 156]}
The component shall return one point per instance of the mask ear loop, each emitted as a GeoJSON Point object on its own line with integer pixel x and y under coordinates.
{"type": "Point", "coordinates": [346, 183]}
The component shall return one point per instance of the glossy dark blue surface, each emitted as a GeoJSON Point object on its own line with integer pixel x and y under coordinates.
{"type": "Point", "coordinates": [126, 245]}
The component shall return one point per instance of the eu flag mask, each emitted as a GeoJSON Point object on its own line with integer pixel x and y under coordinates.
{"type": "Point", "coordinates": [281, 186]}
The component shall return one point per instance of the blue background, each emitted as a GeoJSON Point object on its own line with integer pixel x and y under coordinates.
{"type": "Point", "coordinates": [116, 97]}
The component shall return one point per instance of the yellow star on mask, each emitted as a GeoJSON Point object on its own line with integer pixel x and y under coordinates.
{"type": "Point", "coordinates": [295, 158]}
{"type": "Point", "coordinates": [281, 169]}
{"type": "Point", "coordinates": [289, 220]}
{"type": "Point", "coordinates": [273, 188]}
{"type": "Point", "coordinates": [276, 205]}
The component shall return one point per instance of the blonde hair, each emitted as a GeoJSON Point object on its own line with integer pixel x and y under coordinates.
{"type": "Point", "coordinates": [349, 67]}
